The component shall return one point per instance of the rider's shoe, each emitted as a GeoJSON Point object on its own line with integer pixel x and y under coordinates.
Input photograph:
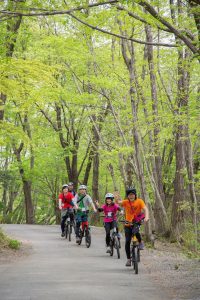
{"type": "Point", "coordinates": [62, 234]}
{"type": "Point", "coordinates": [128, 263]}
{"type": "Point", "coordinates": [141, 245]}
{"type": "Point", "coordinates": [77, 239]}
{"type": "Point", "coordinates": [108, 250]}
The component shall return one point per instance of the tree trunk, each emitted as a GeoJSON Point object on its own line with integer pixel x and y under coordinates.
{"type": "Point", "coordinates": [159, 209]}
{"type": "Point", "coordinates": [136, 139]}
{"type": "Point", "coordinates": [179, 183]}
{"type": "Point", "coordinates": [28, 202]}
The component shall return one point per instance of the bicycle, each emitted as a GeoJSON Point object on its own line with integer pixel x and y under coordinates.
{"type": "Point", "coordinates": [114, 240]}
{"type": "Point", "coordinates": [85, 232]}
{"type": "Point", "coordinates": [135, 250]}
{"type": "Point", "coordinates": [69, 224]}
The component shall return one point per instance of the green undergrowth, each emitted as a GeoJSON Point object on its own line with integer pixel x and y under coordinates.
{"type": "Point", "coordinates": [6, 242]}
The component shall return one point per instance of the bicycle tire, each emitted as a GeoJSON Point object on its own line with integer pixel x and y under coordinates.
{"type": "Point", "coordinates": [80, 236]}
{"type": "Point", "coordinates": [138, 251]}
{"type": "Point", "coordinates": [116, 244]}
{"type": "Point", "coordinates": [135, 259]}
{"type": "Point", "coordinates": [111, 247]}
{"type": "Point", "coordinates": [87, 238]}
{"type": "Point", "coordinates": [66, 231]}
{"type": "Point", "coordinates": [70, 232]}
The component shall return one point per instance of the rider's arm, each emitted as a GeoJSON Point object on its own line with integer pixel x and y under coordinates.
{"type": "Point", "coordinates": [93, 206]}
{"type": "Point", "coordinates": [60, 203]}
{"type": "Point", "coordinates": [146, 213]}
{"type": "Point", "coordinates": [73, 204]}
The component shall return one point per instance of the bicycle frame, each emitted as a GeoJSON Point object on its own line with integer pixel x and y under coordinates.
{"type": "Point", "coordinates": [84, 231]}
{"type": "Point", "coordinates": [114, 240]}
{"type": "Point", "coordinates": [68, 225]}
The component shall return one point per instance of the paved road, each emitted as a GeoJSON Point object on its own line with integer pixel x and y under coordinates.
{"type": "Point", "coordinates": [59, 270]}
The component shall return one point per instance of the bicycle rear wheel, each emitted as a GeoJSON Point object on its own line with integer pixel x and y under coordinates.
{"type": "Point", "coordinates": [116, 245]}
{"type": "Point", "coordinates": [87, 237]}
{"type": "Point", "coordinates": [135, 259]}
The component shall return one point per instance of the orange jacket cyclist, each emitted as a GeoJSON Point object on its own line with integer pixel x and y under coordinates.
{"type": "Point", "coordinates": [133, 207]}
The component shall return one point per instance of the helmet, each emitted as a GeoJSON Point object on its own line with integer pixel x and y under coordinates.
{"type": "Point", "coordinates": [82, 187]}
{"type": "Point", "coordinates": [110, 196]}
{"type": "Point", "coordinates": [64, 186]}
{"type": "Point", "coordinates": [131, 190]}
{"type": "Point", "coordinates": [70, 183]}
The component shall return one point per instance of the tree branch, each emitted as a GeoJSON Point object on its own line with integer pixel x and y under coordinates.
{"type": "Point", "coordinates": [177, 33]}
{"type": "Point", "coordinates": [44, 12]}
{"type": "Point", "coordinates": [120, 36]}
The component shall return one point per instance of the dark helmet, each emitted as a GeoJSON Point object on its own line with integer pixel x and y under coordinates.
{"type": "Point", "coordinates": [64, 186]}
{"type": "Point", "coordinates": [109, 196]}
{"type": "Point", "coordinates": [131, 190]}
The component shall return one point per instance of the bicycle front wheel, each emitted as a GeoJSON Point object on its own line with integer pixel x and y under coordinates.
{"type": "Point", "coordinates": [116, 245]}
{"type": "Point", "coordinates": [87, 238]}
{"type": "Point", "coordinates": [80, 236]}
{"type": "Point", "coordinates": [66, 231]}
{"type": "Point", "coordinates": [111, 247]}
{"type": "Point", "coordinates": [70, 233]}
{"type": "Point", "coordinates": [135, 259]}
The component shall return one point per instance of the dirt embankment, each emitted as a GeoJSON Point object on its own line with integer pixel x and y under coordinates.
{"type": "Point", "coordinates": [170, 268]}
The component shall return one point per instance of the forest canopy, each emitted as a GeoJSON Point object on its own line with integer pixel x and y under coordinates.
{"type": "Point", "coordinates": [102, 93]}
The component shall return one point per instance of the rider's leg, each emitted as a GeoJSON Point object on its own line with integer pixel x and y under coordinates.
{"type": "Point", "coordinates": [63, 219]}
{"type": "Point", "coordinates": [78, 224]}
{"type": "Point", "coordinates": [107, 229]}
{"type": "Point", "coordinates": [141, 243]}
{"type": "Point", "coordinates": [128, 234]}
{"type": "Point", "coordinates": [138, 236]}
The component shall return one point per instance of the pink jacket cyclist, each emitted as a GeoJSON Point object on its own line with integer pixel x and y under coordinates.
{"type": "Point", "coordinates": [110, 220]}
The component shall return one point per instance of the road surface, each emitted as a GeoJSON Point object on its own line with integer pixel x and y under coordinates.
{"type": "Point", "coordinates": [57, 269]}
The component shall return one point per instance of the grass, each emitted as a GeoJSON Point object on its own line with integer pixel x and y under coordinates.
{"type": "Point", "coordinates": [6, 242]}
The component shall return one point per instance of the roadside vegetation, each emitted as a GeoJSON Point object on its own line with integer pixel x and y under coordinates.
{"type": "Point", "coordinates": [6, 242]}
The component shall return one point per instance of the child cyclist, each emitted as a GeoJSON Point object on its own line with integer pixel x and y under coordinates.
{"type": "Point", "coordinates": [110, 219]}
{"type": "Point", "coordinates": [66, 206]}
{"type": "Point", "coordinates": [83, 201]}
{"type": "Point", "coordinates": [133, 207]}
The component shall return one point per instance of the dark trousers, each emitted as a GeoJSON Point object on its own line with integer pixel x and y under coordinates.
{"type": "Point", "coordinates": [108, 226]}
{"type": "Point", "coordinates": [128, 235]}
{"type": "Point", "coordinates": [64, 217]}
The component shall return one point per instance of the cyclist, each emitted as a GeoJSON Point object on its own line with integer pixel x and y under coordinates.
{"type": "Point", "coordinates": [83, 201]}
{"type": "Point", "coordinates": [133, 207]}
{"type": "Point", "coordinates": [71, 188]}
{"type": "Point", "coordinates": [110, 220]}
{"type": "Point", "coordinates": [66, 206]}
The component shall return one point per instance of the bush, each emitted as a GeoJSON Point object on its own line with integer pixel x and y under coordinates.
{"type": "Point", "coordinates": [6, 242]}
{"type": "Point", "coordinates": [14, 244]}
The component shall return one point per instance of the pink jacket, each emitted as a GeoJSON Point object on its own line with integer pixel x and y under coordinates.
{"type": "Point", "coordinates": [110, 212]}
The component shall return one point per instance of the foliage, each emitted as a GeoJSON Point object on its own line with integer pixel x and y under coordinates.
{"type": "Point", "coordinates": [5, 242]}
{"type": "Point", "coordinates": [65, 80]}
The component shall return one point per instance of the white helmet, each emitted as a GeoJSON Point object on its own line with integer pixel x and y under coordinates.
{"type": "Point", "coordinates": [82, 187]}
{"type": "Point", "coordinates": [64, 186]}
{"type": "Point", "coordinates": [110, 196]}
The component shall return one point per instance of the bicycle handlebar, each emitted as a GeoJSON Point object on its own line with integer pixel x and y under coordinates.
{"type": "Point", "coordinates": [132, 222]}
